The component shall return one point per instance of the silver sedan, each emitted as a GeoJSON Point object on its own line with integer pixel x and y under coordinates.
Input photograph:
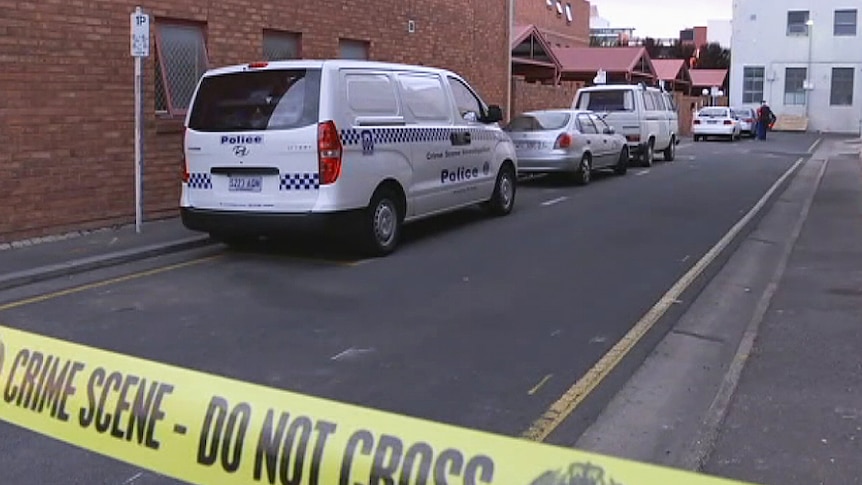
{"type": "Point", "coordinates": [570, 142]}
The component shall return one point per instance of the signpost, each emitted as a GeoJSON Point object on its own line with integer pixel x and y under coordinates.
{"type": "Point", "coordinates": [140, 47]}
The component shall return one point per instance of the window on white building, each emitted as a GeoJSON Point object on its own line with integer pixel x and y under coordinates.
{"type": "Point", "coordinates": [794, 85]}
{"type": "Point", "coordinates": [797, 22]}
{"type": "Point", "coordinates": [845, 22]}
{"type": "Point", "coordinates": [752, 84]}
{"type": "Point", "coordinates": [842, 86]}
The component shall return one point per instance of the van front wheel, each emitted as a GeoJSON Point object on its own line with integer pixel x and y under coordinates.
{"type": "Point", "coordinates": [381, 224]}
{"type": "Point", "coordinates": [503, 199]}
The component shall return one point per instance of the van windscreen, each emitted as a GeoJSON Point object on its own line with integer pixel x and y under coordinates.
{"type": "Point", "coordinates": [276, 99]}
{"type": "Point", "coordinates": [610, 100]}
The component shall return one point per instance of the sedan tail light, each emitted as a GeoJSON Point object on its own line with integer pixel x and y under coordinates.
{"type": "Point", "coordinates": [697, 122]}
{"type": "Point", "coordinates": [563, 141]}
{"type": "Point", "coordinates": [728, 122]}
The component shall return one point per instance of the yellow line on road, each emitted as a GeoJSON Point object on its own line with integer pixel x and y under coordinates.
{"type": "Point", "coordinates": [575, 395]}
{"type": "Point", "coordinates": [100, 284]}
{"type": "Point", "coordinates": [540, 384]}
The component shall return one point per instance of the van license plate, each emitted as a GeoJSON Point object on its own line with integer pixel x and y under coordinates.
{"type": "Point", "coordinates": [245, 184]}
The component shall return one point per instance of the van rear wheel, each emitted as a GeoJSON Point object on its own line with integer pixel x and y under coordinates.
{"type": "Point", "coordinates": [648, 154]}
{"type": "Point", "coordinates": [670, 152]}
{"type": "Point", "coordinates": [381, 223]}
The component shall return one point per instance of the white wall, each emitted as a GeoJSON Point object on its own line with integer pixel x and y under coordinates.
{"type": "Point", "coordinates": [760, 39]}
{"type": "Point", "coordinates": [719, 31]}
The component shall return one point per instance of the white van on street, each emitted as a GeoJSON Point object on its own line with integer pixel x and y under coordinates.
{"type": "Point", "coordinates": [337, 144]}
{"type": "Point", "coordinates": [648, 117]}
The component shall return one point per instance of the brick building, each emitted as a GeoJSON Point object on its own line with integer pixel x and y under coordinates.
{"type": "Point", "coordinates": [67, 104]}
{"type": "Point", "coordinates": [540, 28]}
{"type": "Point", "coordinates": [564, 23]}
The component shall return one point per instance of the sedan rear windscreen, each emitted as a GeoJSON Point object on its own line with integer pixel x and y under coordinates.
{"type": "Point", "coordinates": [254, 101]}
{"type": "Point", "coordinates": [539, 122]}
{"type": "Point", "coordinates": [713, 113]}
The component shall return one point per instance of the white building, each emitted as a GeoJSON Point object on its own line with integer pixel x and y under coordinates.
{"type": "Point", "coordinates": [719, 32]}
{"type": "Point", "coordinates": [596, 20]}
{"type": "Point", "coordinates": [803, 57]}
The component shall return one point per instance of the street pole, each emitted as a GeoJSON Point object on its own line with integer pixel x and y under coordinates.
{"type": "Point", "coordinates": [139, 149]}
{"type": "Point", "coordinates": [140, 47]}
{"type": "Point", "coordinates": [808, 74]}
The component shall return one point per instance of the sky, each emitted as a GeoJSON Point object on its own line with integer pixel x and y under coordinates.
{"type": "Point", "coordinates": [662, 18]}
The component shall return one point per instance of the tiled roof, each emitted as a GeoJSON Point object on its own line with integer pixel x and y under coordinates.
{"type": "Point", "coordinates": [708, 77]}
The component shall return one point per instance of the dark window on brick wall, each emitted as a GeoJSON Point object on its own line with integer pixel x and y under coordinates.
{"type": "Point", "coordinates": [280, 46]}
{"type": "Point", "coordinates": [181, 60]}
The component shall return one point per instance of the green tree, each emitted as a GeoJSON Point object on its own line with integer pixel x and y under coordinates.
{"type": "Point", "coordinates": [681, 51]}
{"type": "Point", "coordinates": [713, 56]}
{"type": "Point", "coordinates": [652, 47]}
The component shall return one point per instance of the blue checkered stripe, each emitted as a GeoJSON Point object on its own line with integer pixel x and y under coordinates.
{"type": "Point", "coordinates": [394, 136]}
{"type": "Point", "coordinates": [299, 181]}
{"type": "Point", "coordinates": [202, 181]}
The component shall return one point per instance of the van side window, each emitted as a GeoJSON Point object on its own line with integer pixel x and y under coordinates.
{"type": "Point", "coordinates": [425, 98]}
{"type": "Point", "coordinates": [466, 101]}
{"type": "Point", "coordinates": [671, 101]}
{"type": "Point", "coordinates": [649, 101]}
{"type": "Point", "coordinates": [586, 126]}
{"type": "Point", "coordinates": [371, 95]}
{"type": "Point", "coordinates": [659, 102]}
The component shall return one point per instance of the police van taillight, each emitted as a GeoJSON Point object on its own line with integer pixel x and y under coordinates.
{"type": "Point", "coordinates": [329, 151]}
{"type": "Point", "coordinates": [185, 160]}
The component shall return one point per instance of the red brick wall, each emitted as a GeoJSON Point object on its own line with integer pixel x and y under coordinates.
{"type": "Point", "coordinates": [533, 96]}
{"type": "Point", "coordinates": [556, 28]}
{"type": "Point", "coordinates": [700, 37]}
{"type": "Point", "coordinates": [66, 107]}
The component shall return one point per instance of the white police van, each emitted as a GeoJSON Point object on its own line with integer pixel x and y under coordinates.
{"type": "Point", "coordinates": [338, 144]}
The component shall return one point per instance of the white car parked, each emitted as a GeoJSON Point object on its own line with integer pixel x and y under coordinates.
{"type": "Point", "coordinates": [715, 121]}
{"type": "Point", "coordinates": [367, 146]}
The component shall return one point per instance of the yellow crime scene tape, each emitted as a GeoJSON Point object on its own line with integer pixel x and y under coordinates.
{"type": "Point", "coordinates": [210, 430]}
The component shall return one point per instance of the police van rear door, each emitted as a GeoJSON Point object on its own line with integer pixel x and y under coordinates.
{"type": "Point", "coordinates": [252, 140]}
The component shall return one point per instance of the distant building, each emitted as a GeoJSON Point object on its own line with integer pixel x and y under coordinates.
{"type": "Point", "coordinates": [804, 58]}
{"type": "Point", "coordinates": [603, 35]}
{"type": "Point", "coordinates": [696, 36]}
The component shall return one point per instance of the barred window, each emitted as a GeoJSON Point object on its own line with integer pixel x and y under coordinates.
{"type": "Point", "coordinates": [794, 85]}
{"type": "Point", "coordinates": [280, 46]}
{"type": "Point", "coordinates": [181, 60]}
{"type": "Point", "coordinates": [752, 84]}
{"type": "Point", "coordinates": [845, 22]}
{"type": "Point", "coordinates": [842, 86]}
{"type": "Point", "coordinates": [797, 22]}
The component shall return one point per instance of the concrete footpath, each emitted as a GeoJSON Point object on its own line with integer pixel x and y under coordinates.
{"type": "Point", "coordinates": [761, 378]}
{"type": "Point", "coordinates": [796, 417]}
{"type": "Point", "coordinates": [27, 262]}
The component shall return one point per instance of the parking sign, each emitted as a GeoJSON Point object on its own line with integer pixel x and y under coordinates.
{"type": "Point", "coordinates": [140, 34]}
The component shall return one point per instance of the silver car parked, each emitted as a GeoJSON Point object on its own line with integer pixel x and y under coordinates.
{"type": "Point", "coordinates": [570, 142]}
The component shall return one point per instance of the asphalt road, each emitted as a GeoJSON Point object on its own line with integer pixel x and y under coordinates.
{"type": "Point", "coordinates": [474, 321]}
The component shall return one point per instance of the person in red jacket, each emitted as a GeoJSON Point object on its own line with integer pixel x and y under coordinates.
{"type": "Point", "coordinates": [765, 119]}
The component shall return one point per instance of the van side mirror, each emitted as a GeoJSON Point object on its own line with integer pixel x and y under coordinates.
{"type": "Point", "coordinates": [495, 114]}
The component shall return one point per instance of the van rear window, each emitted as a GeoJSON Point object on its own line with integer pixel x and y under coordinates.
{"type": "Point", "coordinates": [255, 101]}
{"type": "Point", "coordinates": [611, 100]}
